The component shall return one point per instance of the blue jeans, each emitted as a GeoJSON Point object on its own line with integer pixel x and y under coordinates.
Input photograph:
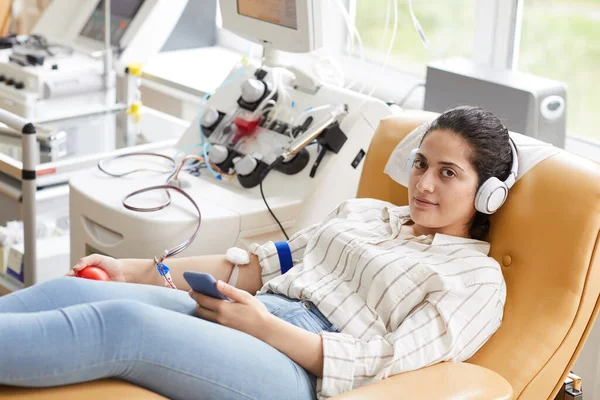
{"type": "Point", "coordinates": [73, 330]}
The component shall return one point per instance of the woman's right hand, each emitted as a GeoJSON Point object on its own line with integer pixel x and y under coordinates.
{"type": "Point", "coordinates": [111, 266]}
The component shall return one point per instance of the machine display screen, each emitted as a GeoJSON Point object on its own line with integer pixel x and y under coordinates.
{"type": "Point", "coordinates": [122, 13]}
{"type": "Point", "coordinates": [280, 12]}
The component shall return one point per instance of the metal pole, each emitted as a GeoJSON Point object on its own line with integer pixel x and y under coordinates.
{"type": "Point", "coordinates": [107, 47]}
{"type": "Point", "coordinates": [29, 189]}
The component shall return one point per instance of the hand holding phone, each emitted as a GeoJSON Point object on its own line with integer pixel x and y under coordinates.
{"type": "Point", "coordinates": [203, 283]}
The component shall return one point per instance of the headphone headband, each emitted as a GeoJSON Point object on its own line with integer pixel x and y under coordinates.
{"type": "Point", "coordinates": [514, 169]}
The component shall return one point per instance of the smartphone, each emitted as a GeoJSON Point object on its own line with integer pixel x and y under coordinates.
{"type": "Point", "coordinates": [203, 283]}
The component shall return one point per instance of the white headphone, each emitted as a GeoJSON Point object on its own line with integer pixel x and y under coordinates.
{"type": "Point", "coordinates": [493, 192]}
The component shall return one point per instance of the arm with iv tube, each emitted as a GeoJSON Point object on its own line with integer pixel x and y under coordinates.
{"type": "Point", "coordinates": [143, 271]}
{"type": "Point", "coordinates": [262, 267]}
{"type": "Point", "coordinates": [251, 276]}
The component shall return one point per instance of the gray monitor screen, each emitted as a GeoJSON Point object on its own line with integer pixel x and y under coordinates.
{"type": "Point", "coordinates": [280, 12]}
{"type": "Point", "coordinates": [122, 12]}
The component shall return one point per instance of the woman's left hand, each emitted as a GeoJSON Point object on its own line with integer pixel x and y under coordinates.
{"type": "Point", "coordinates": [244, 313]}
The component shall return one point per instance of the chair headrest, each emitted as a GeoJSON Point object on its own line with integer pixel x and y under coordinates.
{"type": "Point", "coordinates": [530, 152]}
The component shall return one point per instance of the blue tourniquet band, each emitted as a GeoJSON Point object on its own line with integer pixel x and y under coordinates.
{"type": "Point", "coordinates": [285, 256]}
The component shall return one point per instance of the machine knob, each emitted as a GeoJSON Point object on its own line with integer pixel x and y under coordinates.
{"type": "Point", "coordinates": [252, 90]}
{"type": "Point", "coordinates": [209, 117]}
{"type": "Point", "coordinates": [245, 165]}
{"type": "Point", "coordinates": [218, 153]}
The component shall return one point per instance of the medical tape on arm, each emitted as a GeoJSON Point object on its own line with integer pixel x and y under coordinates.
{"type": "Point", "coordinates": [237, 257]}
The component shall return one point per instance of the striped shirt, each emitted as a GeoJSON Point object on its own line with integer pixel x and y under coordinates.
{"type": "Point", "coordinates": [401, 303]}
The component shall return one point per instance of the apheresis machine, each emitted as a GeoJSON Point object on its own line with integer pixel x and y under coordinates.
{"type": "Point", "coordinates": [64, 67]}
{"type": "Point", "coordinates": [272, 150]}
{"type": "Point", "coordinates": [63, 79]}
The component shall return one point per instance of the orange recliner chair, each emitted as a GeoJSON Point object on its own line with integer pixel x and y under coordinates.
{"type": "Point", "coordinates": [547, 239]}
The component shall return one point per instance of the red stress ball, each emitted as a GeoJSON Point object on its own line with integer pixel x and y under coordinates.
{"type": "Point", "coordinates": [95, 273]}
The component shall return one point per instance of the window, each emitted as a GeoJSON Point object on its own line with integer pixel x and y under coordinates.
{"type": "Point", "coordinates": [560, 39]}
{"type": "Point", "coordinates": [448, 25]}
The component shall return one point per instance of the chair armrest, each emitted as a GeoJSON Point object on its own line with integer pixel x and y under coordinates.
{"type": "Point", "coordinates": [96, 390]}
{"type": "Point", "coordinates": [446, 380]}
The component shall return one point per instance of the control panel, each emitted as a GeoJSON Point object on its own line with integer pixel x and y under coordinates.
{"type": "Point", "coordinates": [258, 124]}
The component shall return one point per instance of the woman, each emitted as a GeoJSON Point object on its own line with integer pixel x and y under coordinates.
{"type": "Point", "coordinates": [374, 290]}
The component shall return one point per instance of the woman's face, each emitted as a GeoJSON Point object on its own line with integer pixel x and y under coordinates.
{"type": "Point", "coordinates": [442, 185]}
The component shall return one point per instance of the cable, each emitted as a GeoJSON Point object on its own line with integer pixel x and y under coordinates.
{"type": "Point", "coordinates": [329, 71]}
{"type": "Point", "coordinates": [311, 110]}
{"type": "Point", "coordinates": [382, 40]}
{"type": "Point", "coordinates": [391, 46]}
{"type": "Point", "coordinates": [182, 246]}
{"type": "Point", "coordinates": [410, 91]}
{"type": "Point", "coordinates": [41, 43]}
{"type": "Point", "coordinates": [174, 174]}
{"type": "Point", "coordinates": [270, 112]}
{"type": "Point", "coordinates": [186, 148]}
{"type": "Point", "coordinates": [388, 5]}
{"type": "Point", "coordinates": [103, 169]}
{"type": "Point", "coordinates": [205, 147]}
{"type": "Point", "coordinates": [276, 82]}
{"type": "Point", "coordinates": [354, 34]}
{"type": "Point", "coordinates": [417, 25]}
{"type": "Point", "coordinates": [264, 174]}
{"type": "Point", "coordinates": [203, 143]}
{"type": "Point", "coordinates": [298, 144]}
{"type": "Point", "coordinates": [308, 111]}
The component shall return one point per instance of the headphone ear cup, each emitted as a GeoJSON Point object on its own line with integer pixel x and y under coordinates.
{"type": "Point", "coordinates": [411, 160]}
{"type": "Point", "coordinates": [491, 195]}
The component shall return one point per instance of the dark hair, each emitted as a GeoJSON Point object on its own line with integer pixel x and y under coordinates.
{"type": "Point", "coordinates": [491, 154]}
